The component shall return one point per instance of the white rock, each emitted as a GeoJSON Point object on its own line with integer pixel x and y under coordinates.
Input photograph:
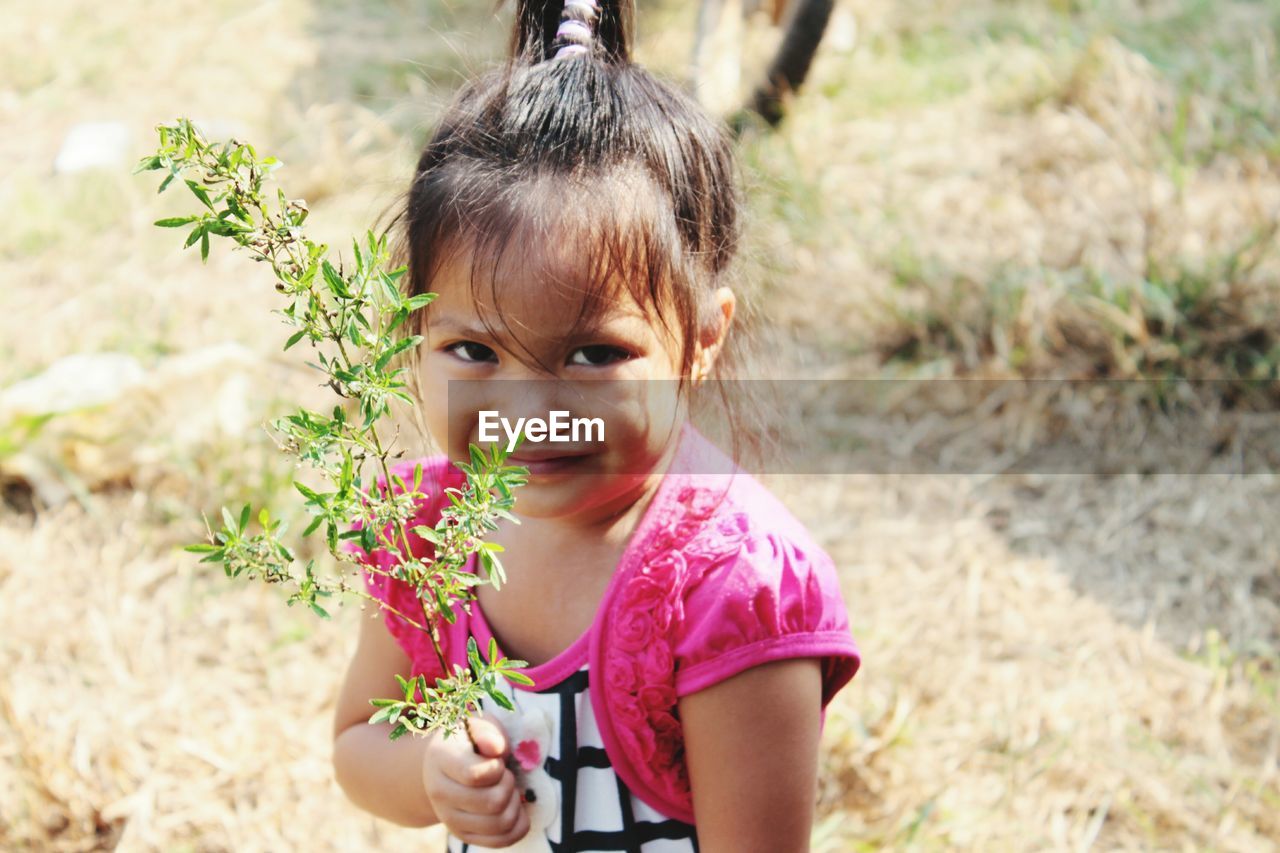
{"type": "Point", "coordinates": [118, 420]}
{"type": "Point", "coordinates": [94, 145]}
{"type": "Point", "coordinates": [73, 382]}
{"type": "Point", "coordinates": [842, 31]}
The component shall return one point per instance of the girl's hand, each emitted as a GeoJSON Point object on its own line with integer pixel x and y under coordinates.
{"type": "Point", "coordinates": [475, 795]}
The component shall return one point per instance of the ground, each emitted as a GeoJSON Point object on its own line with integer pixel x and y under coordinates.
{"type": "Point", "coordinates": [996, 190]}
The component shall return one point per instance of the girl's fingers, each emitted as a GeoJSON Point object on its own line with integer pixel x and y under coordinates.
{"type": "Point", "coordinates": [518, 829]}
{"type": "Point", "coordinates": [490, 801]}
{"type": "Point", "coordinates": [504, 821]}
{"type": "Point", "coordinates": [485, 802]}
{"type": "Point", "coordinates": [489, 736]}
{"type": "Point", "coordinates": [467, 768]}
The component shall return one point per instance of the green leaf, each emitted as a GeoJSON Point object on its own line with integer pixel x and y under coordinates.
{"type": "Point", "coordinates": [200, 193]}
{"type": "Point", "coordinates": [492, 568]}
{"type": "Point", "coordinates": [390, 286]}
{"type": "Point", "coordinates": [499, 697]}
{"type": "Point", "coordinates": [427, 533]}
{"type": "Point", "coordinates": [204, 246]}
{"type": "Point", "coordinates": [222, 228]}
{"type": "Point", "coordinates": [244, 518]}
{"type": "Point", "coordinates": [517, 677]}
{"type": "Point", "coordinates": [334, 279]}
{"type": "Point", "coordinates": [238, 210]}
{"type": "Point", "coordinates": [397, 348]}
{"type": "Point", "coordinates": [294, 338]}
{"type": "Point", "coordinates": [175, 221]}
{"type": "Point", "coordinates": [229, 520]}
{"type": "Point", "coordinates": [442, 604]}
{"type": "Point", "coordinates": [400, 316]}
{"type": "Point", "coordinates": [201, 548]}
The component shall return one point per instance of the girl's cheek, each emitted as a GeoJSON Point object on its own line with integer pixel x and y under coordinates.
{"type": "Point", "coordinates": [436, 410]}
{"type": "Point", "coordinates": [451, 408]}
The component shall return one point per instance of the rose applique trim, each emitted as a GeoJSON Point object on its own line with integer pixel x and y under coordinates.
{"type": "Point", "coordinates": [640, 660]}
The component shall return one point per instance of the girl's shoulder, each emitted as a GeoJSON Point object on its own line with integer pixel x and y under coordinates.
{"type": "Point", "coordinates": [723, 578]}
{"type": "Point", "coordinates": [746, 581]}
{"type": "Point", "coordinates": [715, 516]}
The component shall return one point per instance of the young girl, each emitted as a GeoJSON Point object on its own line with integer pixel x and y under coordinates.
{"type": "Point", "coordinates": [685, 634]}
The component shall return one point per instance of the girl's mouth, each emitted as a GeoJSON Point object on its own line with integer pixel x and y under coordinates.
{"type": "Point", "coordinates": [543, 465]}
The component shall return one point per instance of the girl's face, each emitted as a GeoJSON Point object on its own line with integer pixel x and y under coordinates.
{"type": "Point", "coordinates": [580, 480]}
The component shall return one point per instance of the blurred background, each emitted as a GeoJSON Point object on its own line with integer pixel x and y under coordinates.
{"type": "Point", "coordinates": [989, 188]}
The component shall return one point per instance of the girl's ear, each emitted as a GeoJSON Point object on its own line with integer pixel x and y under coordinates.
{"type": "Point", "coordinates": [709, 347]}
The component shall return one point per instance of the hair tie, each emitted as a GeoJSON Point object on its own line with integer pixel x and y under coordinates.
{"type": "Point", "coordinates": [577, 28]}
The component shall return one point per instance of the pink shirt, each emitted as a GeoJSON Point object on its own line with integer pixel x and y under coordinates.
{"type": "Point", "coordinates": [717, 577]}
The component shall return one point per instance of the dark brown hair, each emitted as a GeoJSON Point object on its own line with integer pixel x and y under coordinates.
{"type": "Point", "coordinates": [600, 163]}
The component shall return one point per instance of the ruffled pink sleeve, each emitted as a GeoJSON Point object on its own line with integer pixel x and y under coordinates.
{"type": "Point", "coordinates": [773, 600]}
{"type": "Point", "coordinates": [397, 593]}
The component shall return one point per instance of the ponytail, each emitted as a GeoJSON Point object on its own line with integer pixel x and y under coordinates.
{"type": "Point", "coordinates": [549, 29]}
{"type": "Point", "coordinates": [577, 28]}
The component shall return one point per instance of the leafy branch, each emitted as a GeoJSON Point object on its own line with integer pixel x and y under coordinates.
{"type": "Point", "coordinates": [448, 697]}
{"type": "Point", "coordinates": [354, 310]}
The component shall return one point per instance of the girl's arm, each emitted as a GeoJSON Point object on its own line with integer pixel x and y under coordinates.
{"type": "Point", "coordinates": [751, 746]}
{"type": "Point", "coordinates": [379, 775]}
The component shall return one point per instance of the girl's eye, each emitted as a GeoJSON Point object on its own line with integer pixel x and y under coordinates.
{"type": "Point", "coordinates": [598, 355]}
{"type": "Point", "coordinates": [471, 351]}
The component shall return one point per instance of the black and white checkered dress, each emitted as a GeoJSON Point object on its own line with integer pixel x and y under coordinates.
{"type": "Point", "coordinates": [594, 802]}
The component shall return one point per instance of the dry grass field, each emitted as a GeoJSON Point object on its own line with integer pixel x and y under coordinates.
{"type": "Point", "coordinates": [1024, 188]}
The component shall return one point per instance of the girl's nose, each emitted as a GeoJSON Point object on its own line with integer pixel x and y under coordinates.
{"type": "Point", "coordinates": [530, 396]}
